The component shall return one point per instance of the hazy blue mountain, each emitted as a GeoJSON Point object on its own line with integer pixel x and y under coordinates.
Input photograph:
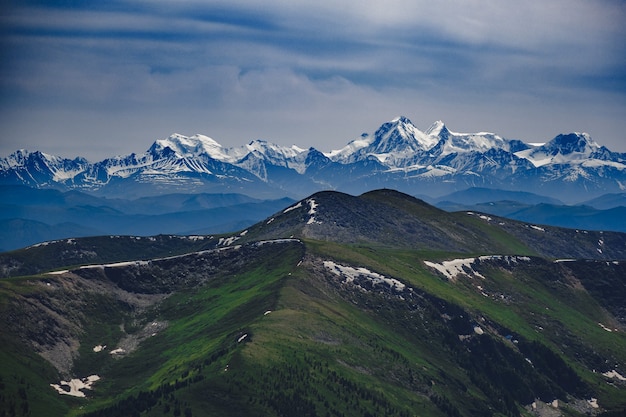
{"type": "Point", "coordinates": [31, 215]}
{"type": "Point", "coordinates": [476, 195]}
{"type": "Point", "coordinates": [530, 207]}
{"type": "Point", "coordinates": [607, 201]}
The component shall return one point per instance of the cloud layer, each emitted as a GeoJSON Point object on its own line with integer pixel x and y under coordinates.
{"type": "Point", "coordinates": [100, 78]}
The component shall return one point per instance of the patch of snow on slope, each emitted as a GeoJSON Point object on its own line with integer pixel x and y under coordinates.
{"type": "Point", "coordinates": [614, 374]}
{"type": "Point", "coordinates": [75, 386]}
{"type": "Point", "coordinates": [312, 210]}
{"type": "Point", "coordinates": [451, 269]}
{"type": "Point", "coordinates": [288, 209]}
{"type": "Point", "coordinates": [227, 241]}
{"type": "Point", "coordinates": [117, 264]}
{"type": "Point", "coordinates": [351, 275]}
{"type": "Point", "coordinates": [61, 272]}
{"type": "Point", "coordinates": [605, 328]}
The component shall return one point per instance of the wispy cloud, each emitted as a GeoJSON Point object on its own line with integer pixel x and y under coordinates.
{"type": "Point", "coordinates": [306, 72]}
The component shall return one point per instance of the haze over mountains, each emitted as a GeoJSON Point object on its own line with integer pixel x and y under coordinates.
{"type": "Point", "coordinates": [29, 216]}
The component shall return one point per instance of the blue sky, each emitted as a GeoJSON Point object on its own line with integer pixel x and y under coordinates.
{"type": "Point", "coordinates": [97, 79]}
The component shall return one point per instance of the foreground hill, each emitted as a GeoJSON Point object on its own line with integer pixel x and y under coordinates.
{"type": "Point", "coordinates": [337, 305]}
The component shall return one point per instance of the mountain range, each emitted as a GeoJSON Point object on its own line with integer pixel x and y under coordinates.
{"type": "Point", "coordinates": [606, 212]}
{"type": "Point", "coordinates": [29, 216]}
{"type": "Point", "coordinates": [397, 156]}
{"type": "Point", "coordinates": [334, 305]}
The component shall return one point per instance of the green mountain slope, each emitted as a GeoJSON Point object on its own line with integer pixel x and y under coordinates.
{"type": "Point", "coordinates": [339, 306]}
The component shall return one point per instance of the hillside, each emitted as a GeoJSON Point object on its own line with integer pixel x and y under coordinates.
{"type": "Point", "coordinates": [337, 305]}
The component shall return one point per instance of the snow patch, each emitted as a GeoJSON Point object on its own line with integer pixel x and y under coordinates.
{"type": "Point", "coordinates": [451, 269]}
{"type": "Point", "coordinates": [75, 386]}
{"type": "Point", "coordinates": [57, 272]}
{"type": "Point", "coordinates": [117, 265]}
{"type": "Point", "coordinates": [227, 241]}
{"type": "Point", "coordinates": [350, 274]}
{"type": "Point", "coordinates": [312, 211]}
{"type": "Point", "coordinates": [614, 375]}
{"type": "Point", "coordinates": [99, 348]}
{"type": "Point", "coordinates": [288, 209]}
{"type": "Point", "coordinates": [195, 237]}
{"type": "Point", "coordinates": [241, 339]}
{"type": "Point", "coordinates": [605, 328]}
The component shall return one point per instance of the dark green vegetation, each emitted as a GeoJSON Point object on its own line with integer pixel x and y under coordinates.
{"type": "Point", "coordinates": [336, 306]}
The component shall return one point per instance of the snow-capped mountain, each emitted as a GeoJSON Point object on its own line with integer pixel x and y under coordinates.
{"type": "Point", "coordinates": [397, 155]}
{"type": "Point", "coordinates": [393, 142]}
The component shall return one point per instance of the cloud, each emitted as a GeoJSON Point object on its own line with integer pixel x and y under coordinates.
{"type": "Point", "coordinates": [307, 72]}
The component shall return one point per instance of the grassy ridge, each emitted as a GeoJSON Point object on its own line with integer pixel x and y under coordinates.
{"type": "Point", "coordinates": [327, 348]}
{"type": "Point", "coordinates": [271, 330]}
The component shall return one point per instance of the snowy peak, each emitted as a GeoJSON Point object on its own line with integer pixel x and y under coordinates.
{"type": "Point", "coordinates": [580, 143]}
{"type": "Point", "coordinates": [439, 130]}
{"type": "Point", "coordinates": [394, 142]}
{"type": "Point", "coordinates": [458, 143]}
{"type": "Point", "coordinates": [185, 147]}
{"type": "Point", "coordinates": [400, 135]}
{"type": "Point", "coordinates": [572, 148]}
{"type": "Point", "coordinates": [273, 151]}
{"type": "Point", "coordinates": [38, 168]}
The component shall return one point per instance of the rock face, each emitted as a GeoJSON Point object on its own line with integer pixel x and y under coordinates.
{"type": "Point", "coordinates": [397, 155]}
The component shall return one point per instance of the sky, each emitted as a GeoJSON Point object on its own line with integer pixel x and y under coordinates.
{"type": "Point", "coordinates": [99, 78]}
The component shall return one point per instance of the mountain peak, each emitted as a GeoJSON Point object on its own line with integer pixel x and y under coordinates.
{"type": "Point", "coordinates": [185, 146]}
{"type": "Point", "coordinates": [438, 129]}
{"type": "Point", "coordinates": [400, 135]}
{"type": "Point", "coordinates": [572, 143]}
{"type": "Point", "coordinates": [401, 120]}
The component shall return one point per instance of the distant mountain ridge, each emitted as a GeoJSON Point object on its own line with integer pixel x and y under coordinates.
{"type": "Point", "coordinates": [606, 212]}
{"type": "Point", "coordinates": [398, 155]}
{"type": "Point", "coordinates": [29, 216]}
